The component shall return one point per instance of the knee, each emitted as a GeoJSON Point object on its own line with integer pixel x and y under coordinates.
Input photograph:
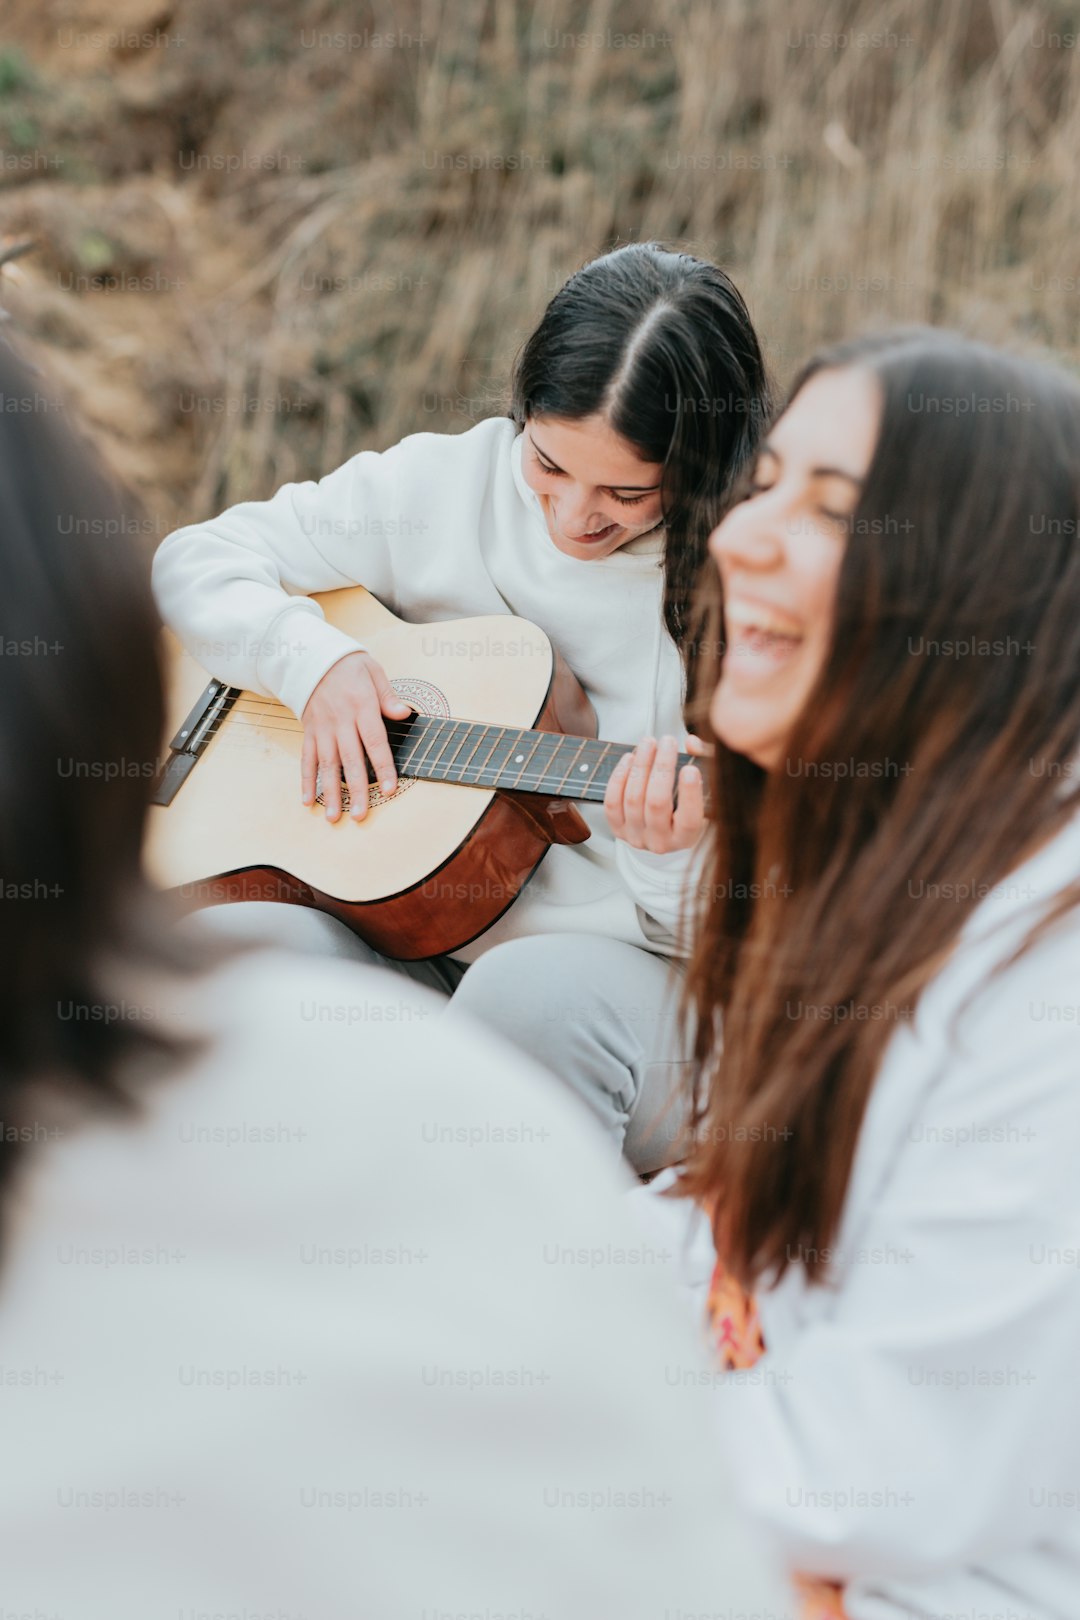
{"type": "Point", "coordinates": [527, 988]}
{"type": "Point", "coordinates": [271, 922]}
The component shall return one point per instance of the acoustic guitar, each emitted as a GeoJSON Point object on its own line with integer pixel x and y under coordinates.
{"type": "Point", "coordinates": [501, 741]}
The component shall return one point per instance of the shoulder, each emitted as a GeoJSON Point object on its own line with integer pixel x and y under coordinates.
{"type": "Point", "coordinates": [485, 446]}
{"type": "Point", "coordinates": [1014, 972]}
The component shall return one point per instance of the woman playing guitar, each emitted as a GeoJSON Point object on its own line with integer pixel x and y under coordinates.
{"type": "Point", "coordinates": [634, 405]}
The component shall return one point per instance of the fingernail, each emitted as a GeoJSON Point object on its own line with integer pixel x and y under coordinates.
{"type": "Point", "coordinates": [387, 786]}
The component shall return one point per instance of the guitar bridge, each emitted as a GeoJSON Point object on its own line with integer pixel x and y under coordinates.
{"type": "Point", "coordinates": [213, 705]}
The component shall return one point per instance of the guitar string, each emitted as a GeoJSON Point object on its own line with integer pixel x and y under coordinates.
{"type": "Point", "coordinates": [463, 730]}
{"type": "Point", "coordinates": [462, 727]}
{"type": "Point", "coordinates": [537, 781]}
{"type": "Point", "coordinates": [524, 779]}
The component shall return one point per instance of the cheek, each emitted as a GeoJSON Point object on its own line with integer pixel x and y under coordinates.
{"type": "Point", "coordinates": [819, 595]}
{"type": "Point", "coordinates": [645, 516]}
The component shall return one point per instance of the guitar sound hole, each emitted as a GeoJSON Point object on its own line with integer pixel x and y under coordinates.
{"type": "Point", "coordinates": [375, 794]}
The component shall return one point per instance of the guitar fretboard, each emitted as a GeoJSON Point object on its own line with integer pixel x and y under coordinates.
{"type": "Point", "coordinates": [478, 755]}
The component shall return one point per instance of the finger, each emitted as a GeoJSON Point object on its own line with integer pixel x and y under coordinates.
{"type": "Point", "coordinates": [690, 810]}
{"type": "Point", "coordinates": [309, 764]}
{"type": "Point", "coordinates": [613, 794]}
{"type": "Point", "coordinates": [638, 781]}
{"type": "Point", "coordinates": [696, 745]}
{"type": "Point", "coordinates": [330, 775]}
{"type": "Point", "coordinates": [354, 766]}
{"type": "Point", "coordinates": [373, 731]}
{"type": "Point", "coordinates": [390, 703]}
{"type": "Point", "coordinates": [660, 790]}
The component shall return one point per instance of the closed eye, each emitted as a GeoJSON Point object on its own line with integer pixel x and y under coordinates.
{"type": "Point", "coordinates": [558, 472]}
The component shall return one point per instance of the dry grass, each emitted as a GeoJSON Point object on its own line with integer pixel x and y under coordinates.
{"type": "Point", "coordinates": [422, 201]}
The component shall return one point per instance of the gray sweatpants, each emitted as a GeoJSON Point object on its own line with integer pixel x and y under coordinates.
{"type": "Point", "coordinates": [600, 1014]}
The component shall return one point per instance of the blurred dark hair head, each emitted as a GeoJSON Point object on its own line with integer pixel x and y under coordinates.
{"type": "Point", "coordinates": [939, 747]}
{"type": "Point", "coordinates": [81, 720]}
{"type": "Point", "coordinates": [661, 344]}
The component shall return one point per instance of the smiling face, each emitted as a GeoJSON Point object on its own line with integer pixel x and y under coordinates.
{"type": "Point", "coordinates": [779, 554]}
{"type": "Point", "coordinates": [595, 491]}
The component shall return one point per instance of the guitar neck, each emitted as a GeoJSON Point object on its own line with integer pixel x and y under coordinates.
{"type": "Point", "coordinates": [477, 755]}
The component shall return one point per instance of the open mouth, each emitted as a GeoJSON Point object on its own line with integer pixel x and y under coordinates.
{"type": "Point", "coordinates": [759, 637]}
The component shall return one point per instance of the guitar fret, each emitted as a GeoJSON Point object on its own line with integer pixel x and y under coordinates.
{"type": "Point", "coordinates": [557, 773]}
{"type": "Point", "coordinates": [549, 772]}
{"type": "Point", "coordinates": [427, 732]}
{"type": "Point", "coordinates": [472, 773]}
{"type": "Point", "coordinates": [526, 759]}
{"type": "Point", "coordinates": [435, 766]}
{"type": "Point", "coordinates": [533, 774]}
{"type": "Point", "coordinates": [472, 752]}
{"type": "Point", "coordinates": [591, 787]}
{"type": "Point", "coordinates": [495, 766]}
{"type": "Point", "coordinates": [464, 729]}
{"type": "Point", "coordinates": [585, 775]}
{"type": "Point", "coordinates": [583, 743]}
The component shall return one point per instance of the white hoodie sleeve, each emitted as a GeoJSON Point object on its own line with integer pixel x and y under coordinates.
{"type": "Point", "coordinates": [919, 1422]}
{"type": "Point", "coordinates": [662, 889]}
{"type": "Point", "coordinates": [228, 587]}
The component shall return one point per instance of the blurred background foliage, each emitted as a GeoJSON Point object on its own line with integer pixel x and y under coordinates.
{"type": "Point", "coordinates": [268, 233]}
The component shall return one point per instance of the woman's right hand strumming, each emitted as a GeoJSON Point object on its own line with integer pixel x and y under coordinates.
{"type": "Point", "coordinates": [344, 722]}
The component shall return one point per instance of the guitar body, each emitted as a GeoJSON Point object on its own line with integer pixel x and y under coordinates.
{"type": "Point", "coordinates": [432, 865]}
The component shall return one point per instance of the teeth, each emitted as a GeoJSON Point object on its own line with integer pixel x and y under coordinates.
{"type": "Point", "coordinates": [741, 616]}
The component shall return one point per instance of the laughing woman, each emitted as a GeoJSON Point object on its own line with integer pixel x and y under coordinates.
{"type": "Point", "coordinates": [887, 1149]}
{"type": "Point", "coordinates": [635, 403]}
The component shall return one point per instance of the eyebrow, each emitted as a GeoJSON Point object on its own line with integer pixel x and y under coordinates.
{"type": "Point", "coordinates": [637, 489]}
{"type": "Point", "coordinates": [816, 472]}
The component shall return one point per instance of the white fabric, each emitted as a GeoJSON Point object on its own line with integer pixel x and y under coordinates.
{"type": "Point", "coordinates": [315, 1339]}
{"type": "Point", "coordinates": [443, 527]}
{"type": "Point", "coordinates": [929, 1397]}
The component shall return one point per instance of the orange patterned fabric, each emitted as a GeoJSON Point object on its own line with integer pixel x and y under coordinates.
{"type": "Point", "coordinates": [735, 1328]}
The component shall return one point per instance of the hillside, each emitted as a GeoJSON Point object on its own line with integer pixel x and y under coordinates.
{"type": "Point", "coordinates": [267, 235]}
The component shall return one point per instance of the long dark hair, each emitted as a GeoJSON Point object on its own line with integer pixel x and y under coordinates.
{"type": "Point", "coordinates": [938, 748]}
{"type": "Point", "coordinates": [81, 718]}
{"type": "Point", "coordinates": [662, 345]}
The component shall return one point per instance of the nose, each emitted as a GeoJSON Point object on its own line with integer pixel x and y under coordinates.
{"type": "Point", "coordinates": [580, 510]}
{"type": "Point", "coordinates": [749, 536]}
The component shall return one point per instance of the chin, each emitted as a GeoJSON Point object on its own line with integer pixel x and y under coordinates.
{"type": "Point", "coordinates": [744, 733]}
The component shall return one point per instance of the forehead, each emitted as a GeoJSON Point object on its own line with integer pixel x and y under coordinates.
{"type": "Point", "coordinates": [832, 422]}
{"type": "Point", "coordinates": [591, 451]}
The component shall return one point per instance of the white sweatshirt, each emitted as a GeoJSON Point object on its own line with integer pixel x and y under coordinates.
{"type": "Point", "coordinates": [354, 1320]}
{"type": "Point", "coordinates": [914, 1428]}
{"type": "Point", "coordinates": [442, 527]}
